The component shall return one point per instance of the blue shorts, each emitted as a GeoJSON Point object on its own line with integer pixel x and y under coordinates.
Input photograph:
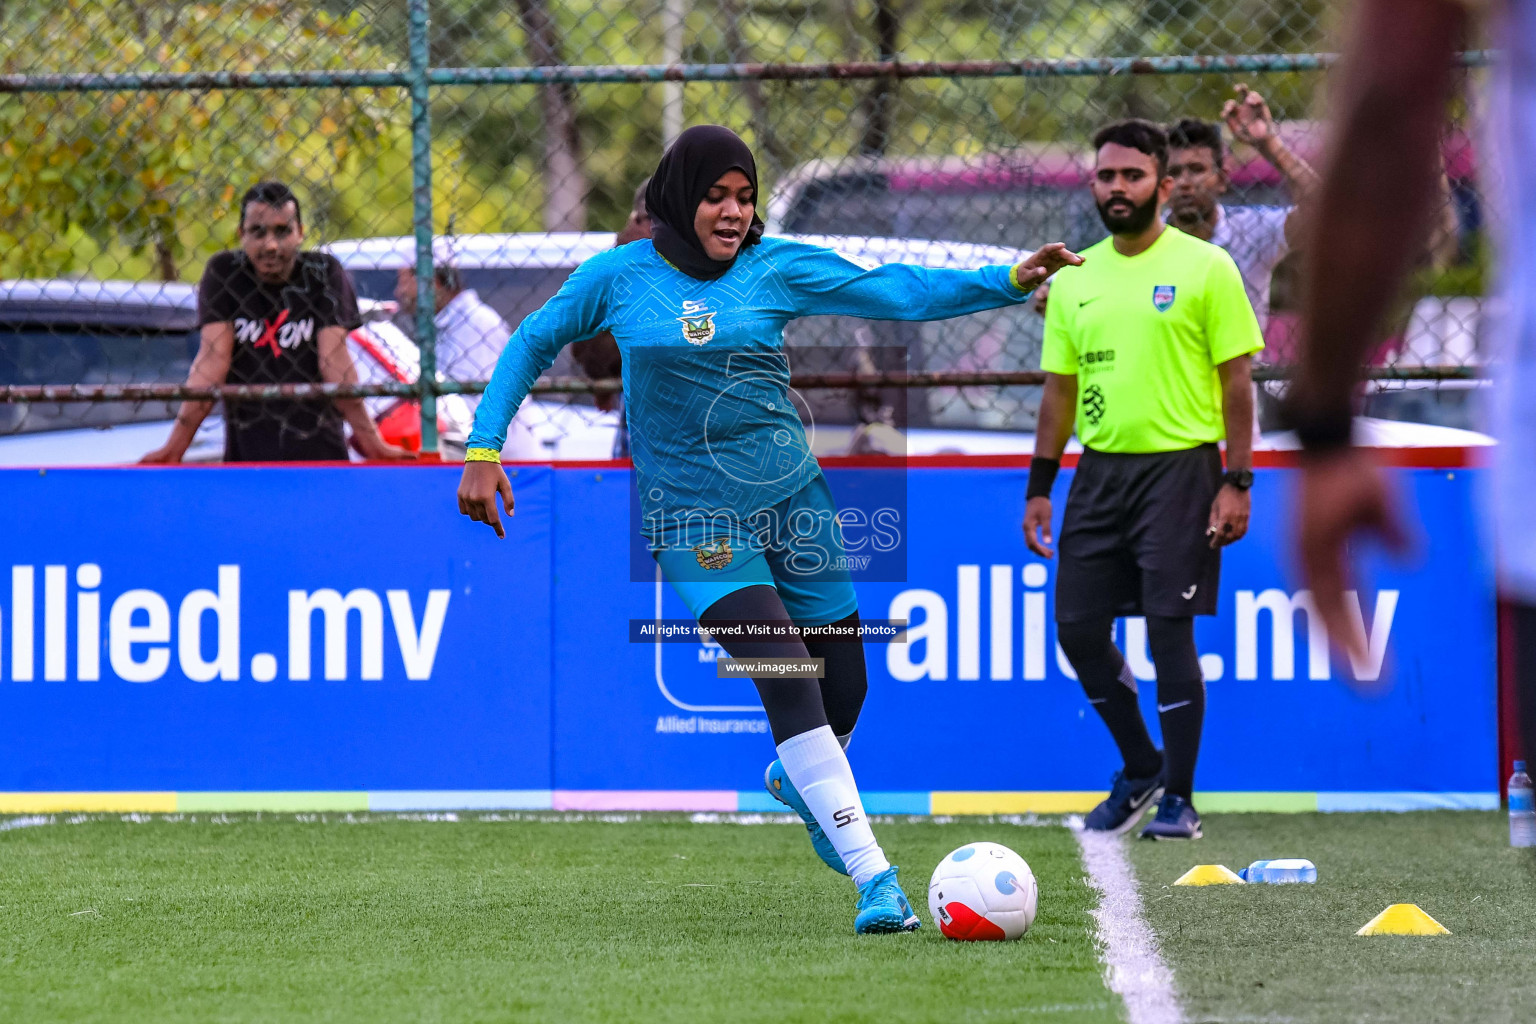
{"type": "Point", "coordinates": [795, 546]}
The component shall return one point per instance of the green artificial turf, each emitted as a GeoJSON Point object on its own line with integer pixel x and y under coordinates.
{"type": "Point", "coordinates": [311, 918]}
{"type": "Point", "coordinates": [1290, 953]}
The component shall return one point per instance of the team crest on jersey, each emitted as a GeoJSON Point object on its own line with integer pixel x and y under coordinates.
{"type": "Point", "coordinates": [698, 323]}
{"type": "Point", "coordinates": [714, 556]}
{"type": "Point", "coordinates": [1162, 297]}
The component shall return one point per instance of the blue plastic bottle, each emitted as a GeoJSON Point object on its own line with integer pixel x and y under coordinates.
{"type": "Point", "coordinates": [1522, 808]}
{"type": "Point", "coordinates": [1279, 872]}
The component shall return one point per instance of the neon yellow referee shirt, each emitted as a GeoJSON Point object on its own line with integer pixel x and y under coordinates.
{"type": "Point", "coordinates": [1144, 335]}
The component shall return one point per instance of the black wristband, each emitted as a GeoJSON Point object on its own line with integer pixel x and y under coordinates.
{"type": "Point", "coordinates": [1323, 431]}
{"type": "Point", "coordinates": [1324, 434]}
{"type": "Point", "coordinates": [1042, 477]}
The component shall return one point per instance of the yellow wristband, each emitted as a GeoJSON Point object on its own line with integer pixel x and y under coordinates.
{"type": "Point", "coordinates": [482, 455]}
{"type": "Point", "coordinates": [1013, 279]}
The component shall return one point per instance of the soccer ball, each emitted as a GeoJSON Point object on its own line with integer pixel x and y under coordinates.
{"type": "Point", "coordinates": [983, 892]}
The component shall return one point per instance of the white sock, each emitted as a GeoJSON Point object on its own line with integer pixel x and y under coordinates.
{"type": "Point", "coordinates": [816, 764]}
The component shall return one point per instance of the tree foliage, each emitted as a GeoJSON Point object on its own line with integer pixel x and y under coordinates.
{"type": "Point", "coordinates": [129, 184]}
{"type": "Point", "coordinates": [160, 171]}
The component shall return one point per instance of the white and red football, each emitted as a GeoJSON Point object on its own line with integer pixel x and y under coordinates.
{"type": "Point", "coordinates": [983, 892]}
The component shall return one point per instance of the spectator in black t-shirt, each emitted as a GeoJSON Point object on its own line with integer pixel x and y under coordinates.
{"type": "Point", "coordinates": [271, 314]}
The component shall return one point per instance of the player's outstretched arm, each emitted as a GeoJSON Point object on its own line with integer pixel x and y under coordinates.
{"type": "Point", "coordinates": [1042, 263]}
{"type": "Point", "coordinates": [482, 488]}
{"type": "Point", "coordinates": [1058, 410]}
{"type": "Point", "coordinates": [824, 282]}
{"type": "Point", "coordinates": [210, 368]}
{"type": "Point", "coordinates": [1372, 214]}
{"type": "Point", "coordinates": [575, 312]}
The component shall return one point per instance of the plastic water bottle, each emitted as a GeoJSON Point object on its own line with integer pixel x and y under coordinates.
{"type": "Point", "coordinates": [1522, 808]}
{"type": "Point", "coordinates": [1253, 871]}
{"type": "Point", "coordinates": [1279, 872]}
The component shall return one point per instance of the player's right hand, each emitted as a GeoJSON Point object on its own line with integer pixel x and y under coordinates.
{"type": "Point", "coordinates": [483, 486]}
{"type": "Point", "coordinates": [1044, 262]}
{"type": "Point", "coordinates": [1342, 494]}
{"type": "Point", "coordinates": [1037, 520]}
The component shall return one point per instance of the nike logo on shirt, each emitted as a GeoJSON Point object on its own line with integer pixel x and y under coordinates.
{"type": "Point", "coordinates": [1190, 592]}
{"type": "Point", "coordinates": [1171, 707]}
{"type": "Point", "coordinates": [1085, 302]}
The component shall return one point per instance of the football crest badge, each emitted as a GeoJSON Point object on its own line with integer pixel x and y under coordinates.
{"type": "Point", "coordinates": [698, 323]}
{"type": "Point", "coordinates": [714, 556]}
{"type": "Point", "coordinates": [1162, 297]}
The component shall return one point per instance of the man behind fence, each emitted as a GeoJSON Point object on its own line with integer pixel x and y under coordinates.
{"type": "Point", "coordinates": [273, 314]}
{"type": "Point", "coordinates": [470, 334]}
{"type": "Point", "coordinates": [1257, 237]}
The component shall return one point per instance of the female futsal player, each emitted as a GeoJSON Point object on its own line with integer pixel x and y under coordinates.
{"type": "Point", "coordinates": [734, 506]}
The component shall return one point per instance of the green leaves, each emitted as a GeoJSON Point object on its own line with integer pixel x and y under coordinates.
{"type": "Point", "coordinates": [138, 168]}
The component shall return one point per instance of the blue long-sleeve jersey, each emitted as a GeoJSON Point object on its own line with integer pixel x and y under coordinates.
{"type": "Point", "coordinates": [713, 430]}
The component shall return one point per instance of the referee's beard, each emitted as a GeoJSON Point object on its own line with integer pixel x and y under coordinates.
{"type": "Point", "coordinates": [1127, 218]}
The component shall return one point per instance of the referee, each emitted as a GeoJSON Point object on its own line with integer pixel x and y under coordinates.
{"type": "Point", "coordinates": [1148, 343]}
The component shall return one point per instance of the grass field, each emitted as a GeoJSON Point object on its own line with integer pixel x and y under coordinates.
{"type": "Point", "coordinates": [1290, 953]}
{"type": "Point", "coordinates": [399, 920]}
{"type": "Point", "coordinates": [662, 918]}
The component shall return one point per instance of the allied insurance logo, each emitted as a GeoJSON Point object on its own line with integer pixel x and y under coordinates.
{"type": "Point", "coordinates": [139, 634]}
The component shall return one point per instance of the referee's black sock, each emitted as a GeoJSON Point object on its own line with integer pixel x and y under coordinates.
{"type": "Point", "coordinates": [1111, 689]}
{"type": "Point", "coordinates": [1180, 699]}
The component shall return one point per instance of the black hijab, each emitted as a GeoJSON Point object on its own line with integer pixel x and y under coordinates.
{"type": "Point", "coordinates": [693, 163]}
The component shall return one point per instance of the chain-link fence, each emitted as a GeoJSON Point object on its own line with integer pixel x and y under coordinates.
{"type": "Point", "coordinates": [459, 158]}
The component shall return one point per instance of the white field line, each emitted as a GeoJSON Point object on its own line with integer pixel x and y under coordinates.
{"type": "Point", "coordinates": [1133, 963]}
{"type": "Point", "coordinates": [30, 821]}
{"type": "Point", "coordinates": [541, 817]}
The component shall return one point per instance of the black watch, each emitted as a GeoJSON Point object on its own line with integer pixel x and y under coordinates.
{"type": "Point", "coordinates": [1242, 479]}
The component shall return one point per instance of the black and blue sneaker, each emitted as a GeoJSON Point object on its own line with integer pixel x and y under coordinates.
{"type": "Point", "coordinates": [1128, 799]}
{"type": "Point", "coordinates": [1176, 819]}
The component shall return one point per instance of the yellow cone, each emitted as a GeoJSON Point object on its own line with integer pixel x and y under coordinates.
{"type": "Point", "coordinates": [1403, 919]}
{"type": "Point", "coordinates": [1209, 874]}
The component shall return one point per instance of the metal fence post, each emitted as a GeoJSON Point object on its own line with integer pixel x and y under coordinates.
{"type": "Point", "coordinates": [421, 218]}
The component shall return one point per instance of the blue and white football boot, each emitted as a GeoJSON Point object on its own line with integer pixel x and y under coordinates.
{"type": "Point", "coordinates": [776, 781]}
{"type": "Point", "coordinates": [883, 907]}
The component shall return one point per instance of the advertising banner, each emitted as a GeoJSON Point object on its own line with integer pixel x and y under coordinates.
{"type": "Point", "coordinates": [341, 638]}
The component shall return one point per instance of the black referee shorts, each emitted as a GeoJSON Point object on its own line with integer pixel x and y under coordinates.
{"type": "Point", "coordinates": [1133, 541]}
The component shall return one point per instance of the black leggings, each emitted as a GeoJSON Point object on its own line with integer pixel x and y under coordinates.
{"type": "Point", "coordinates": [1111, 689]}
{"type": "Point", "coordinates": [796, 705]}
